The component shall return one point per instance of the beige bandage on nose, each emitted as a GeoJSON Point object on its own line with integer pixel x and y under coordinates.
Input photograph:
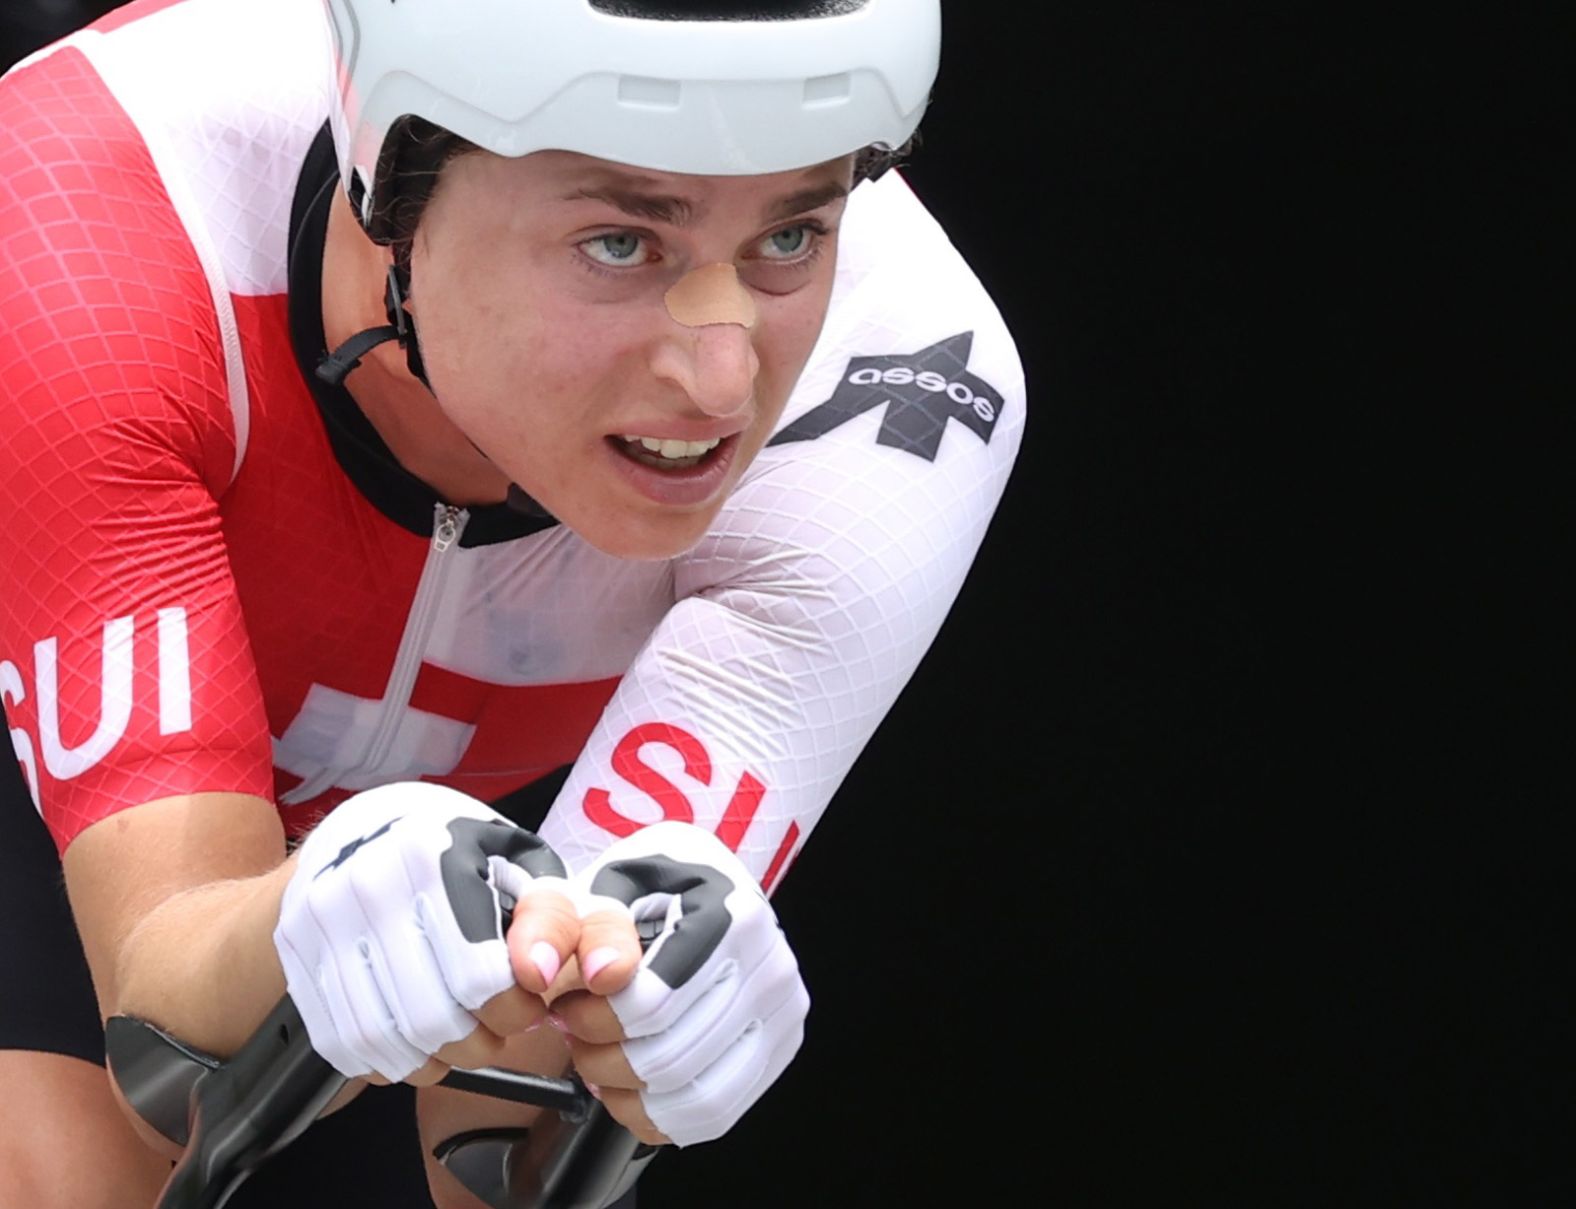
{"type": "Point", "coordinates": [711, 294]}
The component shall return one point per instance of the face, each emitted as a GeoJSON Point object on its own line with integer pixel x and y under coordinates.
{"type": "Point", "coordinates": [538, 285]}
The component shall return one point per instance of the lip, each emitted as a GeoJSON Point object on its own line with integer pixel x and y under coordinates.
{"type": "Point", "coordinates": [678, 488]}
{"type": "Point", "coordinates": [669, 430]}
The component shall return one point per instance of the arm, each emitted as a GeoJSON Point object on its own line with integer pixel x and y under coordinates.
{"type": "Point", "coordinates": [124, 661]}
{"type": "Point", "coordinates": [804, 612]}
{"type": "Point", "coordinates": [125, 666]}
{"type": "Point", "coordinates": [800, 618]}
{"type": "Point", "coordinates": [177, 914]}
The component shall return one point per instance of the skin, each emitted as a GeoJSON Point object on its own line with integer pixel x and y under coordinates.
{"type": "Point", "coordinates": [50, 1097]}
{"type": "Point", "coordinates": [540, 345]}
{"type": "Point", "coordinates": [579, 286]}
{"type": "Point", "coordinates": [177, 922]}
{"type": "Point", "coordinates": [545, 333]}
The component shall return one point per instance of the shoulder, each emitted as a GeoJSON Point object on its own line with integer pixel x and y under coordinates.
{"type": "Point", "coordinates": [107, 321]}
{"type": "Point", "coordinates": [220, 97]}
{"type": "Point", "coordinates": [896, 255]}
{"type": "Point", "coordinates": [147, 165]}
{"type": "Point", "coordinates": [897, 443]}
{"type": "Point", "coordinates": [901, 278]}
{"type": "Point", "coordinates": [915, 358]}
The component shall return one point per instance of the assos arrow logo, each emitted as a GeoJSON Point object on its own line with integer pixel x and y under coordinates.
{"type": "Point", "coordinates": [923, 392]}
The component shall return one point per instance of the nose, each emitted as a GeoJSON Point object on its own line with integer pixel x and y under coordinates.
{"type": "Point", "coordinates": [715, 366]}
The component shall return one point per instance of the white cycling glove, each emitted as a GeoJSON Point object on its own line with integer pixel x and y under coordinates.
{"type": "Point", "coordinates": [716, 1009]}
{"type": "Point", "coordinates": [390, 931]}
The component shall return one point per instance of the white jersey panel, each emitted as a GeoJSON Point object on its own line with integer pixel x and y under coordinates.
{"type": "Point", "coordinates": [233, 92]}
{"type": "Point", "coordinates": [547, 609]}
{"type": "Point", "coordinates": [755, 667]}
{"type": "Point", "coordinates": [806, 609]}
{"type": "Point", "coordinates": [228, 133]}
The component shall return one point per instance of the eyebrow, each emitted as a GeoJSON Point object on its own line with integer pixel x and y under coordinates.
{"type": "Point", "coordinates": [679, 212]}
{"type": "Point", "coordinates": [807, 199]}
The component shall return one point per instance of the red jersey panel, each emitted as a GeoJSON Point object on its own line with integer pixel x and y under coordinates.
{"type": "Point", "coordinates": [198, 598]}
{"type": "Point", "coordinates": [125, 666]}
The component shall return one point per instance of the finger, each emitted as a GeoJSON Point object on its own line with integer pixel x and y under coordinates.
{"type": "Point", "coordinates": [705, 1109]}
{"type": "Point", "coordinates": [770, 994]}
{"type": "Point", "coordinates": [609, 951]}
{"type": "Point", "coordinates": [513, 1011]}
{"type": "Point", "coordinates": [333, 987]}
{"type": "Point", "coordinates": [605, 1065]}
{"type": "Point", "coordinates": [408, 970]}
{"type": "Point", "coordinates": [482, 1048]}
{"type": "Point", "coordinates": [626, 1108]}
{"type": "Point", "coordinates": [542, 937]}
{"type": "Point", "coordinates": [568, 980]}
{"type": "Point", "coordinates": [431, 1073]}
{"type": "Point", "coordinates": [365, 1023]}
{"type": "Point", "coordinates": [587, 1016]}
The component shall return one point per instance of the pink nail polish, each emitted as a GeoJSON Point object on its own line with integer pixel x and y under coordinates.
{"type": "Point", "coordinates": [545, 958]}
{"type": "Point", "coordinates": [596, 1092]}
{"type": "Point", "coordinates": [557, 1021]}
{"type": "Point", "coordinates": [598, 961]}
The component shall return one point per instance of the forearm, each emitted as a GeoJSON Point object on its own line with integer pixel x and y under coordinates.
{"type": "Point", "coordinates": [176, 901]}
{"type": "Point", "coordinates": [202, 964]}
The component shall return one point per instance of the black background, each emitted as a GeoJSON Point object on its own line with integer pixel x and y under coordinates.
{"type": "Point", "coordinates": [1206, 858]}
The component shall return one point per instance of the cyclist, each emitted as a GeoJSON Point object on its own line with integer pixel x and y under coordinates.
{"type": "Point", "coordinates": [404, 403]}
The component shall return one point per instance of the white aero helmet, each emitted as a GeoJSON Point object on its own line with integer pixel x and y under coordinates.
{"type": "Point", "coordinates": [709, 87]}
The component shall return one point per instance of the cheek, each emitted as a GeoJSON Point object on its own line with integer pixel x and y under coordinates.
{"type": "Point", "coordinates": [462, 317]}
{"type": "Point", "coordinates": [796, 324]}
{"type": "Point", "coordinates": [491, 344]}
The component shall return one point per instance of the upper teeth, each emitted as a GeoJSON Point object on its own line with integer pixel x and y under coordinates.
{"type": "Point", "coordinates": [675, 449]}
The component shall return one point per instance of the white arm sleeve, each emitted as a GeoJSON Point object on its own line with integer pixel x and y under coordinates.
{"type": "Point", "coordinates": [807, 607]}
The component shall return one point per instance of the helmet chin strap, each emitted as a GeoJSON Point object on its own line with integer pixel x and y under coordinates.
{"type": "Point", "coordinates": [336, 366]}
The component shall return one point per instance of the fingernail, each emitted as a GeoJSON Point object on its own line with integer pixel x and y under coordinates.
{"type": "Point", "coordinates": [545, 958]}
{"type": "Point", "coordinates": [598, 961]}
{"type": "Point", "coordinates": [596, 1092]}
{"type": "Point", "coordinates": [557, 1021]}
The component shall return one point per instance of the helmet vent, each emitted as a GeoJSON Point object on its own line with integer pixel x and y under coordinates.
{"type": "Point", "coordinates": [727, 10]}
{"type": "Point", "coordinates": [359, 192]}
{"type": "Point", "coordinates": [642, 92]}
{"type": "Point", "coordinates": [826, 91]}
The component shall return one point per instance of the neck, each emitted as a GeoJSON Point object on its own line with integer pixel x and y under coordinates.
{"type": "Point", "coordinates": [402, 410]}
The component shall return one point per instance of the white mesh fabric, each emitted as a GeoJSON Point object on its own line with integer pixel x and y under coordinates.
{"type": "Point", "coordinates": [233, 125]}
{"type": "Point", "coordinates": [807, 607]}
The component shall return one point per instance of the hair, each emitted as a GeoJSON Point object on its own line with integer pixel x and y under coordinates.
{"type": "Point", "coordinates": [414, 156]}
{"type": "Point", "coordinates": [417, 151]}
{"type": "Point", "coordinates": [875, 162]}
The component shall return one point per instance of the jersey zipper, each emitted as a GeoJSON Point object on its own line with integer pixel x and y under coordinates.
{"type": "Point", "coordinates": [448, 525]}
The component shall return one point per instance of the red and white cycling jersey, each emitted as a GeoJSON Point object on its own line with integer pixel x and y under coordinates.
{"type": "Point", "coordinates": [197, 597]}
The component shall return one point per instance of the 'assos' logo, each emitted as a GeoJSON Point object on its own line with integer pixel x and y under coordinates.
{"type": "Point", "coordinates": [929, 381]}
{"type": "Point", "coordinates": [922, 393]}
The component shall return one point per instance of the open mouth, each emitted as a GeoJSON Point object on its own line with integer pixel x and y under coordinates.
{"type": "Point", "coordinates": [669, 455]}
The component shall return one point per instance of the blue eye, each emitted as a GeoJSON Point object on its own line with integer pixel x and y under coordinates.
{"type": "Point", "coordinates": [622, 248]}
{"type": "Point", "coordinates": [790, 242]}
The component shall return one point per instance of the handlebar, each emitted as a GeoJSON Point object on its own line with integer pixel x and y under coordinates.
{"type": "Point", "coordinates": [232, 1116]}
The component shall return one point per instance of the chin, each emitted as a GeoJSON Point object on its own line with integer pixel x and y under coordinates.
{"type": "Point", "coordinates": [643, 539]}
